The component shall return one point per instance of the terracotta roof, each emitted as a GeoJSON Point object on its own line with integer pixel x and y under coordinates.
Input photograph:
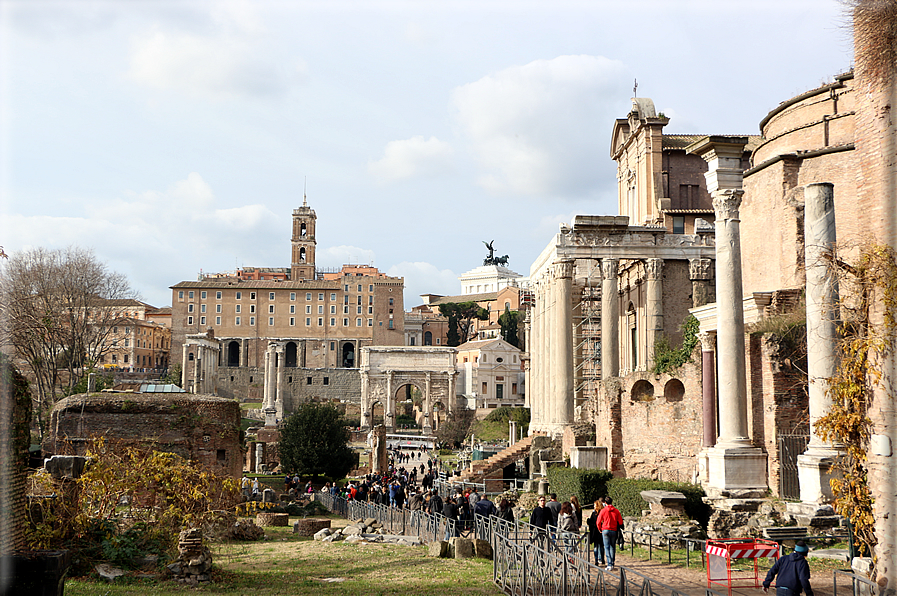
{"type": "Point", "coordinates": [307, 284]}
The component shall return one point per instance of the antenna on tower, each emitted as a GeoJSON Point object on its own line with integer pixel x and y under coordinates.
{"type": "Point", "coordinates": [304, 195]}
{"type": "Point", "coordinates": [635, 88]}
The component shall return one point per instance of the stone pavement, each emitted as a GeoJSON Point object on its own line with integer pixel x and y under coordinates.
{"type": "Point", "coordinates": [693, 581]}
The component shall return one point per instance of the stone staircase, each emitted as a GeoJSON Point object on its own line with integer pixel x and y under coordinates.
{"type": "Point", "coordinates": [482, 468]}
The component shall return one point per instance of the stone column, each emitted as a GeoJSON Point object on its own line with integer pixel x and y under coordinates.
{"type": "Point", "coordinates": [269, 388]}
{"type": "Point", "coordinates": [562, 349]}
{"type": "Point", "coordinates": [184, 366]}
{"type": "Point", "coordinates": [610, 319]}
{"type": "Point", "coordinates": [365, 402]}
{"type": "Point", "coordinates": [389, 409]}
{"type": "Point", "coordinates": [451, 387]}
{"type": "Point", "coordinates": [730, 321]}
{"type": "Point", "coordinates": [735, 467]}
{"type": "Point", "coordinates": [708, 386]}
{"type": "Point", "coordinates": [653, 304]}
{"type": "Point", "coordinates": [280, 353]}
{"type": "Point", "coordinates": [814, 465]}
{"type": "Point", "coordinates": [512, 432]}
{"type": "Point", "coordinates": [244, 352]}
{"type": "Point", "coordinates": [197, 370]}
{"type": "Point", "coordinates": [537, 359]}
{"type": "Point", "coordinates": [700, 272]}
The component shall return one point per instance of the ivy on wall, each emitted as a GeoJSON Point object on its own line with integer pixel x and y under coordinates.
{"type": "Point", "coordinates": [667, 358]}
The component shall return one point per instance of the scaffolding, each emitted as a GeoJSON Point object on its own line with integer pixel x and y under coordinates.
{"type": "Point", "coordinates": [587, 334]}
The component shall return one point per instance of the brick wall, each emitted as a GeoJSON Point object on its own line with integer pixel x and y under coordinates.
{"type": "Point", "coordinates": [247, 384]}
{"type": "Point", "coordinates": [202, 428]}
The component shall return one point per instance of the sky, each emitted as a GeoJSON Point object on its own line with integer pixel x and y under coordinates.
{"type": "Point", "coordinates": [175, 138]}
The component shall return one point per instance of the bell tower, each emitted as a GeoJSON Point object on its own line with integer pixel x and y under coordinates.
{"type": "Point", "coordinates": [302, 264]}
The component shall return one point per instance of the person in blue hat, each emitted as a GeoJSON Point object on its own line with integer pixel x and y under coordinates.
{"type": "Point", "coordinates": [793, 573]}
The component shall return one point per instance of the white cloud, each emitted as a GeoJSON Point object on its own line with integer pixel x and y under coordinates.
{"type": "Point", "coordinates": [158, 238]}
{"type": "Point", "coordinates": [337, 256]}
{"type": "Point", "coordinates": [424, 278]}
{"type": "Point", "coordinates": [539, 128]}
{"type": "Point", "coordinates": [412, 157]}
{"type": "Point", "coordinates": [202, 65]}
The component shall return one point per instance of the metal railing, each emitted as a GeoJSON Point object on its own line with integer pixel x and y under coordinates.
{"type": "Point", "coordinates": [859, 586]}
{"type": "Point", "coordinates": [669, 544]}
{"type": "Point", "coordinates": [528, 560]}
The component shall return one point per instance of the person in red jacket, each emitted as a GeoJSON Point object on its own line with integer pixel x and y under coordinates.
{"type": "Point", "coordinates": [609, 523]}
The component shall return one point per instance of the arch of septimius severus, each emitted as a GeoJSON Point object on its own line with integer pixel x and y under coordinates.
{"type": "Point", "coordinates": [386, 369]}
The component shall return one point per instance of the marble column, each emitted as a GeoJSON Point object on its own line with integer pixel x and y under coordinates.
{"type": "Point", "coordinates": [280, 353]}
{"type": "Point", "coordinates": [539, 357]}
{"type": "Point", "coordinates": [815, 464]}
{"type": "Point", "coordinates": [389, 410]}
{"type": "Point", "coordinates": [562, 350]}
{"type": "Point", "coordinates": [269, 387]}
{"type": "Point", "coordinates": [653, 303]}
{"type": "Point", "coordinates": [244, 352]}
{"type": "Point", "coordinates": [197, 370]}
{"type": "Point", "coordinates": [184, 367]}
{"type": "Point", "coordinates": [610, 319]}
{"type": "Point", "coordinates": [730, 321]}
{"type": "Point", "coordinates": [365, 402]}
{"type": "Point", "coordinates": [451, 387]}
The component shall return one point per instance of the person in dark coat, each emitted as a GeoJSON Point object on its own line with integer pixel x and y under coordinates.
{"type": "Point", "coordinates": [595, 537]}
{"type": "Point", "coordinates": [505, 511]}
{"type": "Point", "coordinates": [793, 573]}
{"type": "Point", "coordinates": [540, 518]}
{"type": "Point", "coordinates": [555, 507]}
{"type": "Point", "coordinates": [484, 507]}
{"type": "Point", "coordinates": [450, 511]}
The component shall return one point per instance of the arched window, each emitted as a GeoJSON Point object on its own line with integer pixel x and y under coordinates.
{"type": "Point", "coordinates": [428, 338]}
{"type": "Point", "coordinates": [190, 356]}
{"type": "Point", "coordinates": [302, 255]}
{"type": "Point", "coordinates": [348, 355]}
{"type": "Point", "coordinates": [291, 354]}
{"type": "Point", "coordinates": [233, 353]}
{"type": "Point", "coordinates": [302, 229]}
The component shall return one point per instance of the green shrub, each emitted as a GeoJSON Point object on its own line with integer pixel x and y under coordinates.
{"type": "Point", "coordinates": [627, 498]}
{"type": "Point", "coordinates": [587, 485]}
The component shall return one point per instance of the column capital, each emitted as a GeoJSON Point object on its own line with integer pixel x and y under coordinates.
{"type": "Point", "coordinates": [700, 269]}
{"type": "Point", "coordinates": [653, 269]}
{"type": "Point", "coordinates": [708, 340]}
{"type": "Point", "coordinates": [610, 268]}
{"type": "Point", "coordinates": [726, 203]}
{"type": "Point", "coordinates": [562, 269]}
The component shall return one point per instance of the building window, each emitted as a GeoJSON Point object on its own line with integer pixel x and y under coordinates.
{"type": "Point", "coordinates": [332, 296]}
{"type": "Point", "coordinates": [513, 388]}
{"type": "Point", "coordinates": [371, 288]}
{"type": "Point", "coordinates": [390, 324]}
{"type": "Point", "coordinates": [236, 320]}
{"type": "Point", "coordinates": [358, 322]}
{"type": "Point", "coordinates": [237, 307]}
{"type": "Point", "coordinates": [180, 294]}
{"type": "Point", "coordinates": [370, 299]}
{"type": "Point", "coordinates": [270, 295]}
{"type": "Point", "coordinates": [270, 309]}
{"type": "Point", "coordinates": [370, 310]}
{"type": "Point", "coordinates": [190, 295]}
{"type": "Point", "coordinates": [390, 301]}
{"type": "Point", "coordinates": [320, 309]}
{"type": "Point", "coordinates": [326, 379]}
{"type": "Point", "coordinates": [270, 321]}
{"type": "Point", "coordinates": [307, 321]}
{"type": "Point", "coordinates": [321, 296]}
{"type": "Point", "coordinates": [189, 322]}
{"type": "Point", "coordinates": [308, 296]}
{"type": "Point", "coordinates": [252, 321]}
{"type": "Point", "coordinates": [239, 295]}
{"type": "Point", "coordinates": [202, 295]}
{"type": "Point", "coordinates": [292, 321]}
{"type": "Point", "coordinates": [202, 321]}
{"type": "Point", "coordinates": [499, 391]}
{"type": "Point", "coordinates": [251, 308]}
{"type": "Point", "coordinates": [485, 386]}
{"type": "Point", "coordinates": [292, 295]}
{"type": "Point", "coordinates": [332, 346]}
{"type": "Point", "coordinates": [126, 358]}
{"type": "Point", "coordinates": [252, 295]}
{"type": "Point", "coordinates": [359, 287]}
{"type": "Point", "coordinates": [189, 308]}
{"type": "Point", "coordinates": [308, 309]}
{"type": "Point", "coordinates": [437, 341]}
{"type": "Point", "coordinates": [678, 224]}
{"type": "Point", "coordinates": [358, 310]}
{"type": "Point", "coordinates": [202, 308]}
{"type": "Point", "coordinates": [370, 322]}
{"type": "Point", "coordinates": [218, 308]}
{"type": "Point", "coordinates": [128, 342]}
{"type": "Point", "coordinates": [346, 288]}
{"type": "Point", "coordinates": [345, 322]}
{"type": "Point", "coordinates": [333, 321]}
{"type": "Point", "coordinates": [333, 309]}
{"type": "Point", "coordinates": [217, 295]}
{"type": "Point", "coordinates": [308, 380]}
{"type": "Point", "coordinates": [292, 309]}
{"type": "Point", "coordinates": [345, 310]}
{"type": "Point", "coordinates": [217, 320]}
{"type": "Point", "coordinates": [320, 321]}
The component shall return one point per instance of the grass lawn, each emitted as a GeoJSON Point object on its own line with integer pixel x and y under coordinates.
{"type": "Point", "coordinates": [251, 405]}
{"type": "Point", "coordinates": [285, 564]}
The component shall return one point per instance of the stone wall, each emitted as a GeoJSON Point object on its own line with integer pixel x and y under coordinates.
{"type": "Point", "coordinates": [651, 423]}
{"type": "Point", "coordinates": [201, 428]}
{"type": "Point", "coordinates": [247, 384]}
{"type": "Point", "coordinates": [15, 417]}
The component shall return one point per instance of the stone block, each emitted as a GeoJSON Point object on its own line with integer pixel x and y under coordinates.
{"type": "Point", "coordinates": [65, 466]}
{"type": "Point", "coordinates": [439, 548]}
{"type": "Point", "coordinates": [462, 548]}
{"type": "Point", "coordinates": [269, 495]}
{"type": "Point", "coordinates": [483, 549]}
{"type": "Point", "coordinates": [310, 526]}
{"type": "Point", "coordinates": [267, 518]}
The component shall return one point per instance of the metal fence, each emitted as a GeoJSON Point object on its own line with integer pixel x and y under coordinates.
{"type": "Point", "coordinates": [852, 585]}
